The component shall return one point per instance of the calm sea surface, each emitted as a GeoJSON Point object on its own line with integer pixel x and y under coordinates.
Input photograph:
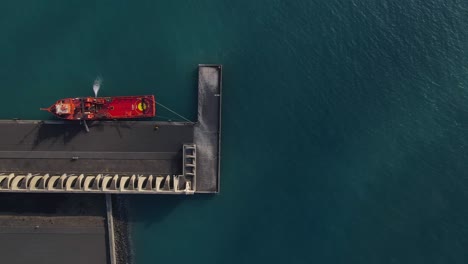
{"type": "Point", "coordinates": [345, 123]}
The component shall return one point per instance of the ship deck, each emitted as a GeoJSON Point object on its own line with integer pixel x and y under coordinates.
{"type": "Point", "coordinates": [117, 156]}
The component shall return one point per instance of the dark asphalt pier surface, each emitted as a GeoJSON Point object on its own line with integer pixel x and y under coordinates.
{"type": "Point", "coordinates": [120, 147]}
{"type": "Point", "coordinates": [52, 228]}
{"type": "Point", "coordinates": [109, 147]}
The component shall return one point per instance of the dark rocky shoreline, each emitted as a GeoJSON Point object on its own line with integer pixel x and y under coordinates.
{"type": "Point", "coordinates": [123, 247]}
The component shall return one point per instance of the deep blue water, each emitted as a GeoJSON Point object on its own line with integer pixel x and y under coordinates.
{"type": "Point", "coordinates": [344, 122]}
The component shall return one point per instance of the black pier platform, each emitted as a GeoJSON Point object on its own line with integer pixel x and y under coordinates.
{"type": "Point", "coordinates": [117, 156]}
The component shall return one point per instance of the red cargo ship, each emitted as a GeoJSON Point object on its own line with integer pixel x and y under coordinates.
{"type": "Point", "coordinates": [96, 108]}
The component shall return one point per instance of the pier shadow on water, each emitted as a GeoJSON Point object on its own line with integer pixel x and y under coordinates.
{"type": "Point", "coordinates": [156, 207]}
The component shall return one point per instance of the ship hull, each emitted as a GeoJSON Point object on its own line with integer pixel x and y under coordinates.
{"type": "Point", "coordinates": [104, 108]}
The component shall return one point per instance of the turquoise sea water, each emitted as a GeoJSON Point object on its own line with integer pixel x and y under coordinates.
{"type": "Point", "coordinates": [344, 122]}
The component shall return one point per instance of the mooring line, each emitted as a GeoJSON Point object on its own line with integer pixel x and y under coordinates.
{"type": "Point", "coordinates": [174, 112]}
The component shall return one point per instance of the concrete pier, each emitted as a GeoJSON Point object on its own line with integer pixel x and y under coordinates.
{"type": "Point", "coordinates": [207, 132]}
{"type": "Point", "coordinates": [117, 156]}
{"type": "Point", "coordinates": [53, 229]}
